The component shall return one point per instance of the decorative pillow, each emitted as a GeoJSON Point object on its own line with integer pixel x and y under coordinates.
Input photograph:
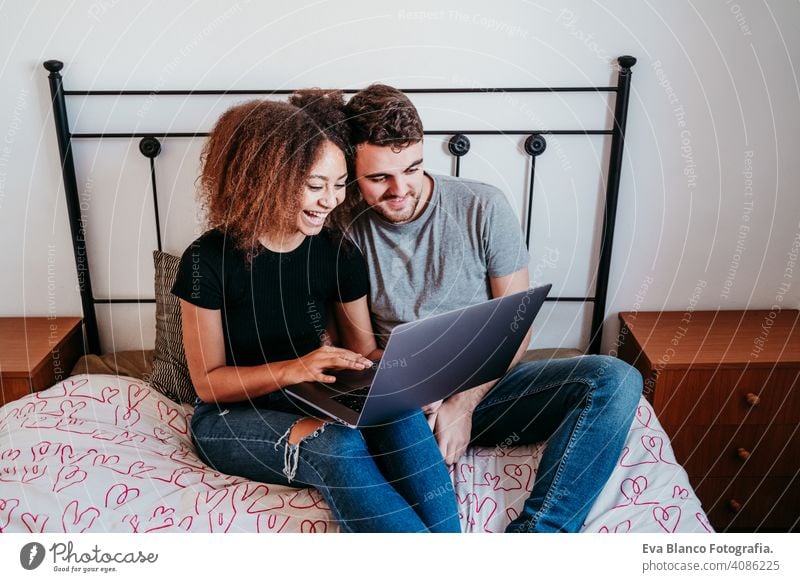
{"type": "Point", "coordinates": [170, 370]}
{"type": "Point", "coordinates": [131, 363]}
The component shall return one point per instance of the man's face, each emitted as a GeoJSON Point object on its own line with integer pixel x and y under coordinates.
{"type": "Point", "coordinates": [391, 181]}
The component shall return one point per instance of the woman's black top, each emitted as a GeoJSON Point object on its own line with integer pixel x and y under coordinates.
{"type": "Point", "coordinates": [275, 308]}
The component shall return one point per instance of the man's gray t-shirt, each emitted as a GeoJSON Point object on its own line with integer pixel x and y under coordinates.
{"type": "Point", "coordinates": [442, 260]}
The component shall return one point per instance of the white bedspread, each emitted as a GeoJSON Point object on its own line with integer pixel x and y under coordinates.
{"type": "Point", "coordinates": [98, 453]}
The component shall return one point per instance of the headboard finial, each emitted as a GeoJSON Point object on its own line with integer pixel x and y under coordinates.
{"type": "Point", "coordinates": [626, 62]}
{"type": "Point", "coordinates": [535, 144]}
{"type": "Point", "coordinates": [53, 66]}
{"type": "Point", "coordinates": [150, 147]}
{"type": "Point", "coordinates": [458, 145]}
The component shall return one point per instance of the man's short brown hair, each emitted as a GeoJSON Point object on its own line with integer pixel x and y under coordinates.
{"type": "Point", "coordinates": [382, 115]}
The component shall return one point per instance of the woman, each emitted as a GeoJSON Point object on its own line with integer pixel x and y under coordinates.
{"type": "Point", "coordinates": [255, 292]}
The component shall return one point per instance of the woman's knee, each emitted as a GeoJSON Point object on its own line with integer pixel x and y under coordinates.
{"type": "Point", "coordinates": [334, 439]}
{"type": "Point", "coordinates": [324, 446]}
{"type": "Point", "coordinates": [304, 428]}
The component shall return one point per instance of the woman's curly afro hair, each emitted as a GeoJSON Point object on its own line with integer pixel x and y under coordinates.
{"type": "Point", "coordinates": [257, 159]}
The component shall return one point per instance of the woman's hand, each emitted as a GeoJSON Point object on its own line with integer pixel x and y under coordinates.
{"type": "Point", "coordinates": [312, 366]}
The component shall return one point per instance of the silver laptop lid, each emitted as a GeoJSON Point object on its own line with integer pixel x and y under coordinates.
{"type": "Point", "coordinates": [451, 352]}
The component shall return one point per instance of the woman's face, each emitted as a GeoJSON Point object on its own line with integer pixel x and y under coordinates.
{"type": "Point", "coordinates": [324, 189]}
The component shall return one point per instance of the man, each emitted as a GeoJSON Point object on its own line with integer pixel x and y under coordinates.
{"type": "Point", "coordinates": [436, 243]}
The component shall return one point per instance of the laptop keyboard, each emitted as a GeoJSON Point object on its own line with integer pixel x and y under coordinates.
{"type": "Point", "coordinates": [353, 400]}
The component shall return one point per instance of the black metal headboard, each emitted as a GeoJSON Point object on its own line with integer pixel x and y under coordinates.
{"type": "Point", "coordinates": [458, 146]}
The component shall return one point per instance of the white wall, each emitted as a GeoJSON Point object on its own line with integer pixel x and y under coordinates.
{"type": "Point", "coordinates": [715, 94]}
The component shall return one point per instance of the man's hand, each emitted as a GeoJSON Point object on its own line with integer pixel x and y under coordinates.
{"type": "Point", "coordinates": [452, 426]}
{"type": "Point", "coordinates": [430, 411]}
{"type": "Point", "coordinates": [431, 408]}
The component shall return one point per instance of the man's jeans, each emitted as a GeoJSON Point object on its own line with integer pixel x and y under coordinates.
{"type": "Point", "coordinates": [389, 478]}
{"type": "Point", "coordinates": [583, 407]}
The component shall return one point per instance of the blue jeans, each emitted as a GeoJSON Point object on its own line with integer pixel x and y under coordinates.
{"type": "Point", "coordinates": [583, 407]}
{"type": "Point", "coordinates": [389, 478]}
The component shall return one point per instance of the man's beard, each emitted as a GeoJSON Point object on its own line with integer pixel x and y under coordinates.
{"type": "Point", "coordinates": [397, 216]}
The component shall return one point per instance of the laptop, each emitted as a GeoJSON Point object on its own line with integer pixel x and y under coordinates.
{"type": "Point", "coordinates": [428, 360]}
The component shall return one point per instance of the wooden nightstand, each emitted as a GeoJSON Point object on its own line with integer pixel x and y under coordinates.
{"type": "Point", "coordinates": [36, 352]}
{"type": "Point", "coordinates": [726, 387]}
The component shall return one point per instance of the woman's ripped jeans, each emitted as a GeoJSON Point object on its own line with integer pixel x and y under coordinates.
{"type": "Point", "coordinates": [388, 478]}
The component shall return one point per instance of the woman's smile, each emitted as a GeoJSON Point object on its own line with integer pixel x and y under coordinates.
{"type": "Point", "coordinates": [315, 218]}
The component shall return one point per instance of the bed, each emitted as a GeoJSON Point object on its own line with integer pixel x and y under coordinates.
{"type": "Point", "coordinates": [108, 453]}
{"type": "Point", "coordinates": [107, 449]}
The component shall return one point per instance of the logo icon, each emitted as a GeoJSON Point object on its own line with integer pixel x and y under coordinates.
{"type": "Point", "coordinates": [31, 555]}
